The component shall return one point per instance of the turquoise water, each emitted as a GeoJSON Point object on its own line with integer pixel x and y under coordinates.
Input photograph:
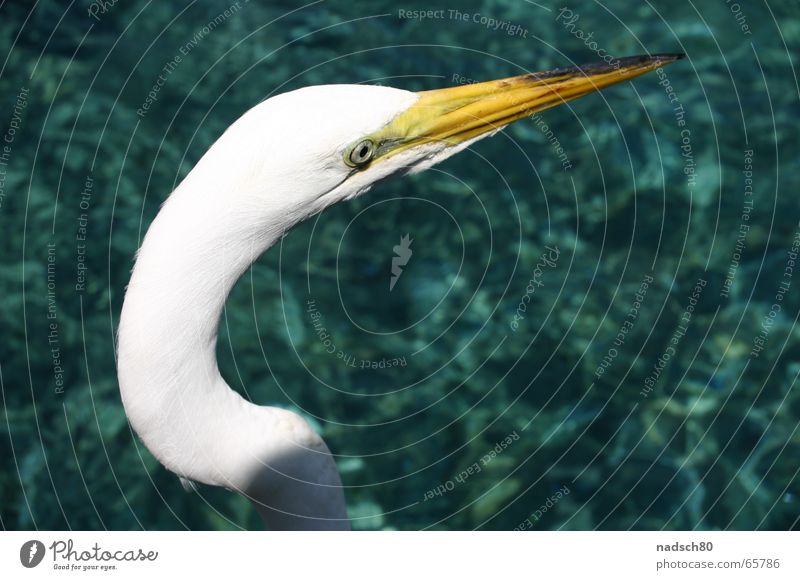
{"type": "Point", "coordinates": [594, 320]}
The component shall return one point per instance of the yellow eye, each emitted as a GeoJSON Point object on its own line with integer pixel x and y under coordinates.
{"type": "Point", "coordinates": [361, 153]}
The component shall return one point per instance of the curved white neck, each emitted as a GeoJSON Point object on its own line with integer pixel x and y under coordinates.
{"type": "Point", "coordinates": [196, 249]}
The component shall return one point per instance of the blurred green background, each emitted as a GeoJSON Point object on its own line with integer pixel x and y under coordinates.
{"type": "Point", "coordinates": [652, 192]}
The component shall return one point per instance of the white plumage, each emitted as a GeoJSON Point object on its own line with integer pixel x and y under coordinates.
{"type": "Point", "coordinates": [283, 161]}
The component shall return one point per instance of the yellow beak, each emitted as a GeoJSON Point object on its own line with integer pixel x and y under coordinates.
{"type": "Point", "coordinates": [457, 114]}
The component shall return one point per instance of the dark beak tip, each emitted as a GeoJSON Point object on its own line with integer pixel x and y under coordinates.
{"type": "Point", "coordinates": [645, 59]}
{"type": "Point", "coordinates": [605, 67]}
{"type": "Point", "coordinates": [670, 56]}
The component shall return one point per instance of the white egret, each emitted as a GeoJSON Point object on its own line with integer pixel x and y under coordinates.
{"type": "Point", "coordinates": [283, 161]}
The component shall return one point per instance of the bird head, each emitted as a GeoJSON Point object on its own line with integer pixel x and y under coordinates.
{"type": "Point", "coordinates": [352, 136]}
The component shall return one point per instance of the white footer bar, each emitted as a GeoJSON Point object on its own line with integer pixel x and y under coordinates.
{"type": "Point", "coordinates": [387, 555]}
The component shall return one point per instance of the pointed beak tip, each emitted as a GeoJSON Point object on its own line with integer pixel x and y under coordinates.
{"type": "Point", "coordinates": [669, 56]}
{"type": "Point", "coordinates": [460, 113]}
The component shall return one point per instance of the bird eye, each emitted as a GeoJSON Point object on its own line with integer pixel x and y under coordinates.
{"type": "Point", "coordinates": [361, 153]}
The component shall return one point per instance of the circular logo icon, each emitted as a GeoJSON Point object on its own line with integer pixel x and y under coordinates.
{"type": "Point", "coordinates": [31, 553]}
